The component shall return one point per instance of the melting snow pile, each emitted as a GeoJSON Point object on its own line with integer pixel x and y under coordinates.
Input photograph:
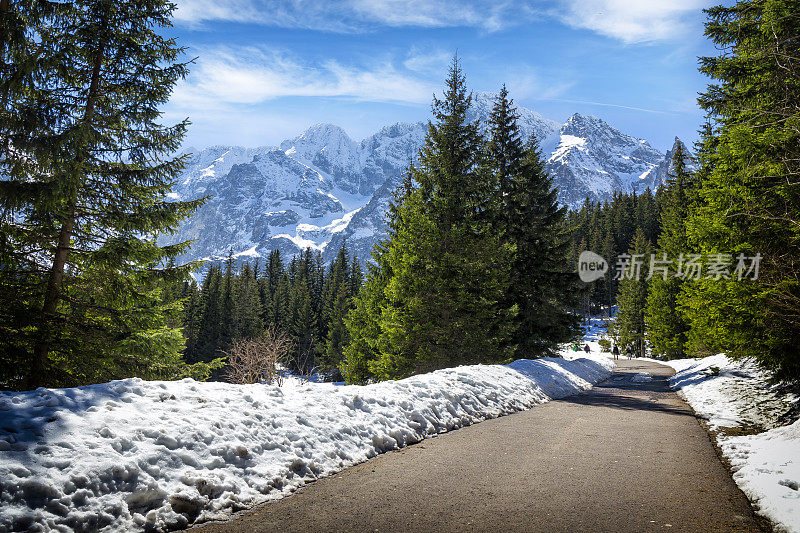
{"type": "Point", "coordinates": [134, 455]}
{"type": "Point", "coordinates": [766, 465]}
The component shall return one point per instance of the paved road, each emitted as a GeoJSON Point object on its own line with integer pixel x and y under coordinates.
{"type": "Point", "coordinates": [626, 456]}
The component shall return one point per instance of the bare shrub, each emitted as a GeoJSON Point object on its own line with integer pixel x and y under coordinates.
{"type": "Point", "coordinates": [259, 360]}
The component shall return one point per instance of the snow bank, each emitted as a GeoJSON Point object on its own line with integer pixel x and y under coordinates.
{"type": "Point", "coordinates": [766, 465]}
{"type": "Point", "coordinates": [729, 393]}
{"type": "Point", "coordinates": [767, 469]}
{"type": "Point", "coordinates": [134, 455]}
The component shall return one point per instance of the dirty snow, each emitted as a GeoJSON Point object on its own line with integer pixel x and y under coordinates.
{"type": "Point", "coordinates": [148, 455]}
{"type": "Point", "coordinates": [735, 397]}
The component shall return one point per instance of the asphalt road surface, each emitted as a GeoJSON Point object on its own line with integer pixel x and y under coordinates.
{"type": "Point", "coordinates": [626, 456]}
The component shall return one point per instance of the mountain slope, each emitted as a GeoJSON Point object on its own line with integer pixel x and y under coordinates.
{"type": "Point", "coordinates": [660, 174]}
{"type": "Point", "coordinates": [322, 188]}
{"type": "Point", "coordinates": [593, 159]}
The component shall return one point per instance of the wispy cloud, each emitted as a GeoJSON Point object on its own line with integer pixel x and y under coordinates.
{"type": "Point", "coordinates": [630, 21]}
{"type": "Point", "coordinates": [350, 15]}
{"type": "Point", "coordinates": [226, 76]}
{"type": "Point", "coordinates": [633, 21]}
{"type": "Point", "coordinates": [241, 94]}
{"type": "Point", "coordinates": [528, 82]}
{"type": "Point", "coordinates": [428, 60]}
{"type": "Point", "coordinates": [491, 16]}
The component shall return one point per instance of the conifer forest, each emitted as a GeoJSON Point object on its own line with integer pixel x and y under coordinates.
{"type": "Point", "coordinates": [479, 262]}
{"type": "Point", "coordinates": [546, 251]}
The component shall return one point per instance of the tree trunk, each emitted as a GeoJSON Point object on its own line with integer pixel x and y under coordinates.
{"type": "Point", "coordinates": [56, 277]}
{"type": "Point", "coordinates": [51, 300]}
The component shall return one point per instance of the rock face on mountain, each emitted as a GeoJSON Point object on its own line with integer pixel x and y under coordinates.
{"type": "Point", "coordinates": [322, 188]}
{"type": "Point", "coordinates": [593, 159]}
{"type": "Point", "coordinates": [662, 172]}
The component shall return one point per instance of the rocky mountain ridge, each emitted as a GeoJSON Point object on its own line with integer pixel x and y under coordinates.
{"type": "Point", "coordinates": [322, 188]}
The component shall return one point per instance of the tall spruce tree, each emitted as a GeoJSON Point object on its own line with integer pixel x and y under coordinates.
{"type": "Point", "coordinates": [248, 304]}
{"type": "Point", "coordinates": [336, 303]}
{"type": "Point", "coordinates": [363, 321]}
{"type": "Point", "coordinates": [632, 297]}
{"type": "Point", "coordinates": [749, 199]}
{"type": "Point", "coordinates": [667, 327]}
{"type": "Point", "coordinates": [543, 290]}
{"type": "Point", "coordinates": [87, 186]}
{"type": "Point", "coordinates": [445, 270]}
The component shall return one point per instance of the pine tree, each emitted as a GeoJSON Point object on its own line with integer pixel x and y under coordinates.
{"type": "Point", "coordinates": [667, 327]}
{"type": "Point", "coordinates": [609, 229]}
{"type": "Point", "coordinates": [87, 171]}
{"type": "Point", "coordinates": [442, 264]}
{"type": "Point", "coordinates": [356, 278]}
{"type": "Point", "coordinates": [192, 316]}
{"type": "Point", "coordinates": [337, 302]}
{"type": "Point", "coordinates": [748, 190]}
{"type": "Point", "coordinates": [274, 270]}
{"type": "Point", "coordinates": [303, 323]}
{"type": "Point", "coordinates": [228, 321]}
{"type": "Point", "coordinates": [209, 335]}
{"type": "Point", "coordinates": [336, 338]}
{"type": "Point", "coordinates": [363, 321]}
{"type": "Point", "coordinates": [248, 304]}
{"type": "Point", "coordinates": [543, 289]}
{"type": "Point", "coordinates": [632, 297]}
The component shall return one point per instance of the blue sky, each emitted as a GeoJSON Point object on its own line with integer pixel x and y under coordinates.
{"type": "Point", "coordinates": [266, 70]}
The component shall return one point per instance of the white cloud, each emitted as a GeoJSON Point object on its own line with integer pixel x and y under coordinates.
{"type": "Point", "coordinates": [630, 21]}
{"type": "Point", "coordinates": [231, 95]}
{"type": "Point", "coordinates": [195, 11]}
{"type": "Point", "coordinates": [350, 15]}
{"type": "Point", "coordinates": [490, 16]}
{"type": "Point", "coordinates": [527, 82]}
{"type": "Point", "coordinates": [224, 77]}
{"type": "Point", "coordinates": [314, 14]}
{"type": "Point", "coordinates": [633, 21]}
{"type": "Point", "coordinates": [428, 60]}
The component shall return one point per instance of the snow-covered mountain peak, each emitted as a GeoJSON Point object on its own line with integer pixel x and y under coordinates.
{"type": "Point", "coordinates": [663, 171]}
{"type": "Point", "coordinates": [320, 135]}
{"type": "Point", "coordinates": [483, 103]}
{"type": "Point", "coordinates": [393, 131]}
{"type": "Point", "coordinates": [591, 127]}
{"type": "Point", "coordinates": [591, 155]}
{"type": "Point", "coordinates": [602, 136]}
{"type": "Point", "coordinates": [321, 188]}
{"type": "Point", "coordinates": [329, 149]}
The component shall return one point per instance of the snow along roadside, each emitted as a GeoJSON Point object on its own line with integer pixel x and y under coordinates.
{"type": "Point", "coordinates": [159, 455]}
{"type": "Point", "coordinates": [766, 466]}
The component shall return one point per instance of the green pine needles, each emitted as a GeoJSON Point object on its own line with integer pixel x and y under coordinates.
{"type": "Point", "coordinates": [743, 200]}
{"type": "Point", "coordinates": [666, 323]}
{"type": "Point", "coordinates": [300, 298]}
{"type": "Point", "coordinates": [748, 197]}
{"type": "Point", "coordinates": [476, 257]}
{"type": "Point", "coordinates": [85, 169]}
